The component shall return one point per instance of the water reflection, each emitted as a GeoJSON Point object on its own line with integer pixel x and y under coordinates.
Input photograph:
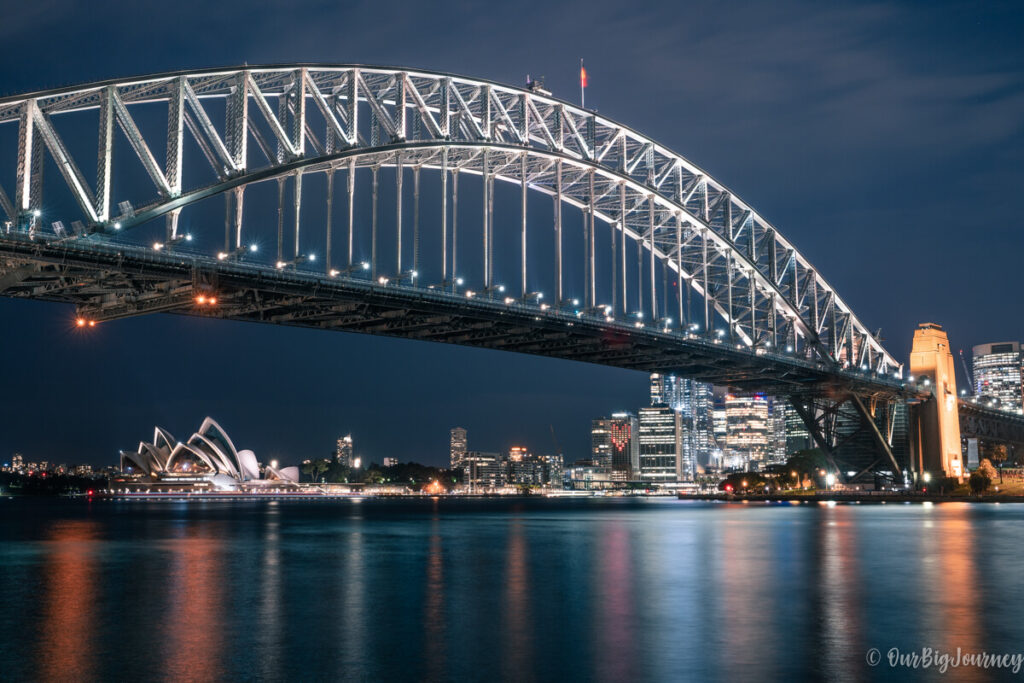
{"type": "Point", "coordinates": [950, 582]}
{"type": "Point", "coordinates": [839, 593]}
{"type": "Point", "coordinates": [193, 632]}
{"type": "Point", "coordinates": [489, 590]}
{"type": "Point", "coordinates": [614, 605]}
{"type": "Point", "coordinates": [517, 655]}
{"type": "Point", "coordinates": [354, 616]}
{"type": "Point", "coordinates": [66, 648]}
{"type": "Point", "coordinates": [743, 574]}
{"type": "Point", "coordinates": [271, 620]}
{"type": "Point", "coordinates": [433, 614]}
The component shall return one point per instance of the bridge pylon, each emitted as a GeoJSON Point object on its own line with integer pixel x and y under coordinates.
{"type": "Point", "coordinates": [935, 421]}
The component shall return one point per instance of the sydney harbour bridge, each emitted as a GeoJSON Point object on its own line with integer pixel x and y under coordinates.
{"type": "Point", "coordinates": [435, 207]}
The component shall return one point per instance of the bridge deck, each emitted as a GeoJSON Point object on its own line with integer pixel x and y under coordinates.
{"type": "Point", "coordinates": [110, 281]}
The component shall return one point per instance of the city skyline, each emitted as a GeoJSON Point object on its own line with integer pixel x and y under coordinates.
{"type": "Point", "coordinates": [258, 369]}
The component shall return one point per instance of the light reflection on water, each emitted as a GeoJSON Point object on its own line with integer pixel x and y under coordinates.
{"type": "Point", "coordinates": [515, 590]}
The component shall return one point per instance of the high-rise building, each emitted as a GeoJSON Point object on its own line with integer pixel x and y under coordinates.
{"type": "Point", "coordinates": [17, 462]}
{"type": "Point", "coordinates": [661, 447]}
{"type": "Point", "coordinates": [695, 403]}
{"type": "Point", "coordinates": [457, 447]}
{"type": "Point", "coordinates": [482, 470]}
{"type": "Point", "coordinates": [343, 451]}
{"type": "Point", "coordinates": [747, 428]}
{"type": "Point", "coordinates": [720, 424]}
{"type": "Point", "coordinates": [657, 388]}
{"type": "Point", "coordinates": [554, 470]}
{"type": "Point", "coordinates": [614, 443]}
{"type": "Point", "coordinates": [997, 376]}
{"type": "Point", "coordinates": [601, 442]}
{"type": "Point", "coordinates": [777, 420]}
{"type": "Point", "coordinates": [518, 454]}
{"type": "Point", "coordinates": [797, 436]}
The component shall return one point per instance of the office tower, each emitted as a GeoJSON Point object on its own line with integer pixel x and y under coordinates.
{"type": "Point", "coordinates": [669, 390]}
{"type": "Point", "coordinates": [797, 436]}
{"type": "Point", "coordinates": [747, 429]}
{"type": "Point", "coordinates": [554, 469]}
{"type": "Point", "coordinates": [720, 425]}
{"type": "Point", "coordinates": [482, 470]}
{"type": "Point", "coordinates": [997, 376]}
{"type": "Point", "coordinates": [17, 462]}
{"type": "Point", "coordinates": [457, 447]}
{"type": "Point", "coordinates": [343, 451]}
{"type": "Point", "coordinates": [518, 454]}
{"type": "Point", "coordinates": [601, 442]}
{"type": "Point", "coordinates": [660, 432]}
{"type": "Point", "coordinates": [657, 388]}
{"type": "Point", "coordinates": [777, 418]}
{"type": "Point", "coordinates": [614, 443]}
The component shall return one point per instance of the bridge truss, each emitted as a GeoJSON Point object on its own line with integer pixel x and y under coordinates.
{"type": "Point", "coordinates": [598, 244]}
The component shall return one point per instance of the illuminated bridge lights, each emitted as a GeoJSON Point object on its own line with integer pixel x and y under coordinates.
{"type": "Point", "coordinates": [718, 283]}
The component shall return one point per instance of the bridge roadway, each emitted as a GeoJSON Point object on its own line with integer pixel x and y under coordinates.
{"type": "Point", "coordinates": [988, 424]}
{"type": "Point", "coordinates": [107, 281]}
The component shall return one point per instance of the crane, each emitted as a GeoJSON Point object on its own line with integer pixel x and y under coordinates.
{"type": "Point", "coordinates": [967, 372]}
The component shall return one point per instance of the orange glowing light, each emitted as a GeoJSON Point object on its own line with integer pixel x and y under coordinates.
{"type": "Point", "coordinates": [92, 323]}
{"type": "Point", "coordinates": [200, 299]}
{"type": "Point", "coordinates": [213, 301]}
{"type": "Point", "coordinates": [80, 322]}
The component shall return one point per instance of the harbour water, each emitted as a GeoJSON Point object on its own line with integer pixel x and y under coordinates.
{"type": "Point", "coordinates": [513, 589]}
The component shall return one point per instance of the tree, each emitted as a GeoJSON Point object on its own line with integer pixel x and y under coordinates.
{"type": "Point", "coordinates": [987, 469]}
{"type": "Point", "coordinates": [979, 481]}
{"type": "Point", "coordinates": [314, 468]}
{"type": "Point", "coordinates": [744, 482]}
{"type": "Point", "coordinates": [998, 454]}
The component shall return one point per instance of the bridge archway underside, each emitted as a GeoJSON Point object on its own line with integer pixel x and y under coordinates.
{"type": "Point", "coordinates": [110, 282]}
{"type": "Point", "coordinates": [735, 279]}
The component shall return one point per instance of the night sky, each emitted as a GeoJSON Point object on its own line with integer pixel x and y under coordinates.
{"type": "Point", "coordinates": [886, 140]}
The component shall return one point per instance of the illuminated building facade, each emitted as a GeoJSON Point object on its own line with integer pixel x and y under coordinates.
{"type": "Point", "coordinates": [614, 443]}
{"type": "Point", "coordinates": [747, 428]}
{"type": "Point", "coordinates": [482, 471]}
{"type": "Point", "coordinates": [695, 403]}
{"type": "Point", "coordinates": [601, 442]}
{"type": "Point", "coordinates": [343, 451]}
{"type": "Point", "coordinates": [457, 447]}
{"type": "Point", "coordinates": [661, 447]}
{"type": "Point", "coordinates": [554, 470]}
{"type": "Point", "coordinates": [797, 436]}
{"type": "Point", "coordinates": [998, 375]}
{"type": "Point", "coordinates": [207, 460]}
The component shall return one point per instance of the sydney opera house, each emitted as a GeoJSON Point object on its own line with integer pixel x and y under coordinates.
{"type": "Point", "coordinates": [207, 460]}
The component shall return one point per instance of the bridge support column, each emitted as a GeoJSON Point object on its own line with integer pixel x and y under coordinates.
{"type": "Point", "coordinates": [935, 422]}
{"type": "Point", "coordinates": [847, 430]}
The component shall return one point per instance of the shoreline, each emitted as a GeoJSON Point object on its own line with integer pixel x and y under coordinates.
{"type": "Point", "coordinates": [850, 497]}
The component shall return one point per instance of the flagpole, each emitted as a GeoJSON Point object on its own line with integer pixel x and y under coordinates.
{"type": "Point", "coordinates": [583, 95]}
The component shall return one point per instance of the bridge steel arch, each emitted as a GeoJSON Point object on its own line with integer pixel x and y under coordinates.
{"type": "Point", "coordinates": [685, 233]}
{"type": "Point", "coordinates": [758, 282]}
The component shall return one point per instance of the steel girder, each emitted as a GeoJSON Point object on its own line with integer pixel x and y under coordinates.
{"type": "Point", "coordinates": [326, 119]}
{"type": "Point", "coordinates": [854, 431]}
{"type": "Point", "coordinates": [107, 282]}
